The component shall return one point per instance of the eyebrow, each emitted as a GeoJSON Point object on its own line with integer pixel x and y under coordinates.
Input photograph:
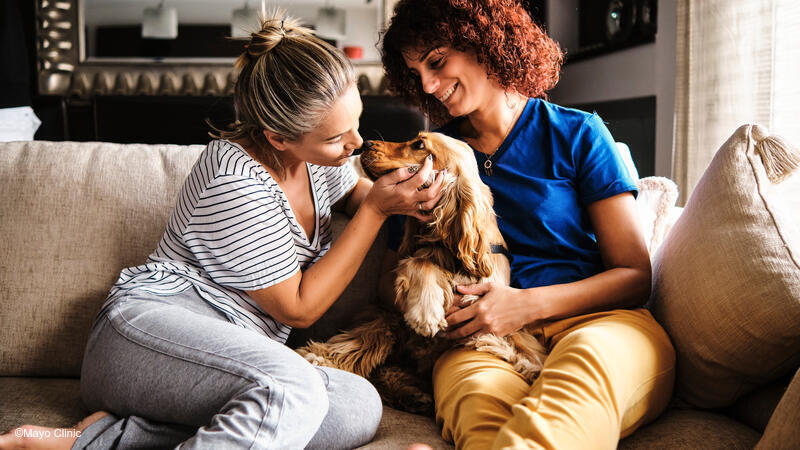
{"type": "Point", "coordinates": [425, 55]}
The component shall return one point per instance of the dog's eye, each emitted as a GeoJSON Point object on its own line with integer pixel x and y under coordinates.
{"type": "Point", "coordinates": [419, 144]}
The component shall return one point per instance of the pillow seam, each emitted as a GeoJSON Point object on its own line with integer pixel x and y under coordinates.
{"type": "Point", "coordinates": [750, 154]}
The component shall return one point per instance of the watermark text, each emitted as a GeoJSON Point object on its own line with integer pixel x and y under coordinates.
{"type": "Point", "coordinates": [47, 433]}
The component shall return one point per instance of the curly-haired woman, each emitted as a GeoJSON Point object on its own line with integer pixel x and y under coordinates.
{"type": "Point", "coordinates": [566, 207]}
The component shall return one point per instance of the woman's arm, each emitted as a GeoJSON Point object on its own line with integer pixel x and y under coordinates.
{"type": "Point", "coordinates": [352, 200]}
{"type": "Point", "coordinates": [625, 283]}
{"type": "Point", "coordinates": [302, 299]}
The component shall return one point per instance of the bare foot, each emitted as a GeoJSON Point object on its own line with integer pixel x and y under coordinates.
{"type": "Point", "coordinates": [35, 437]}
{"type": "Point", "coordinates": [419, 446]}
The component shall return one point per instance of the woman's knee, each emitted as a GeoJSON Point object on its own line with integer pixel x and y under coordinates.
{"type": "Point", "coordinates": [612, 340]}
{"type": "Point", "coordinates": [367, 408]}
{"type": "Point", "coordinates": [96, 386]}
{"type": "Point", "coordinates": [354, 413]}
{"type": "Point", "coordinates": [371, 403]}
{"type": "Point", "coordinates": [623, 359]}
{"type": "Point", "coordinates": [354, 396]}
{"type": "Point", "coordinates": [463, 373]}
{"type": "Point", "coordinates": [305, 389]}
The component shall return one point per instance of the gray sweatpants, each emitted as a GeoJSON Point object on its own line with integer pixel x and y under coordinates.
{"type": "Point", "coordinates": [174, 373]}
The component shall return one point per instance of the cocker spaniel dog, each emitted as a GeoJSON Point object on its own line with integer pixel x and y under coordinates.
{"type": "Point", "coordinates": [396, 350]}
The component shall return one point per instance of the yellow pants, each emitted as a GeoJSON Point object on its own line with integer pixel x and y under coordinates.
{"type": "Point", "coordinates": [606, 374]}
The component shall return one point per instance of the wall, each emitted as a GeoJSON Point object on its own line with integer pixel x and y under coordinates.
{"type": "Point", "coordinates": [66, 118]}
{"type": "Point", "coordinates": [640, 71]}
{"type": "Point", "coordinates": [362, 19]}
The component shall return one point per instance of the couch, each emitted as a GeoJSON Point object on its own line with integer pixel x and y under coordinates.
{"type": "Point", "coordinates": [74, 214]}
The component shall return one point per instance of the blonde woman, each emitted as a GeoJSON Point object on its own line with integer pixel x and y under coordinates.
{"type": "Point", "coordinates": [188, 350]}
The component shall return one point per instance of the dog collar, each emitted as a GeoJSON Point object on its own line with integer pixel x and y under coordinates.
{"type": "Point", "coordinates": [499, 249]}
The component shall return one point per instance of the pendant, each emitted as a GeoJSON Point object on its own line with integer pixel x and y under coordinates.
{"type": "Point", "coordinates": [487, 165]}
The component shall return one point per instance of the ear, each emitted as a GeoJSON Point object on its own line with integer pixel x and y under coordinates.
{"type": "Point", "coordinates": [462, 220]}
{"type": "Point", "coordinates": [409, 245]}
{"type": "Point", "coordinates": [276, 140]}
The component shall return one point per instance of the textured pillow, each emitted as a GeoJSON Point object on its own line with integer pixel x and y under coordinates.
{"type": "Point", "coordinates": [726, 281]}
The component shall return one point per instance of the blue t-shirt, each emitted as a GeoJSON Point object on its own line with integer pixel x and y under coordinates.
{"type": "Point", "coordinates": [554, 162]}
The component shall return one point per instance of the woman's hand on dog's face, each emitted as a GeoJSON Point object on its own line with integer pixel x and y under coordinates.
{"type": "Point", "coordinates": [402, 192]}
{"type": "Point", "coordinates": [500, 310]}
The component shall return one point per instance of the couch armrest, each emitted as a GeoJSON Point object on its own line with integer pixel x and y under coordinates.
{"type": "Point", "coordinates": [783, 429]}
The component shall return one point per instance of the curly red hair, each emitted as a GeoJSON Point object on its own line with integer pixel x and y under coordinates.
{"type": "Point", "coordinates": [515, 51]}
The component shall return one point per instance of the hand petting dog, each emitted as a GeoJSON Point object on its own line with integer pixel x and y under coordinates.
{"type": "Point", "coordinates": [452, 240]}
{"type": "Point", "coordinates": [420, 194]}
{"type": "Point", "coordinates": [499, 310]}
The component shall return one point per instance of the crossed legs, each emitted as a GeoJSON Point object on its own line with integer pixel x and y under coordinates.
{"type": "Point", "coordinates": [173, 372]}
{"type": "Point", "coordinates": [607, 374]}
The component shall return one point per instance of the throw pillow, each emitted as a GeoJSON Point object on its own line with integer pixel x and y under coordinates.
{"type": "Point", "coordinates": [656, 203]}
{"type": "Point", "coordinates": [726, 281]}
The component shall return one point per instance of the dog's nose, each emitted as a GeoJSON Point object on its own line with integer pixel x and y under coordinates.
{"type": "Point", "coordinates": [364, 147]}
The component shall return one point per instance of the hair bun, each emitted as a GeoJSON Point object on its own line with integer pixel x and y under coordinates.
{"type": "Point", "coordinates": [273, 30]}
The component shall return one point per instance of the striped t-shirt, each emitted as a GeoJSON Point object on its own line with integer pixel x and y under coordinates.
{"type": "Point", "coordinates": [232, 230]}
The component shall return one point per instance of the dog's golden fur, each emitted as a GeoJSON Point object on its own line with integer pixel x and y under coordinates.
{"type": "Point", "coordinates": [454, 248]}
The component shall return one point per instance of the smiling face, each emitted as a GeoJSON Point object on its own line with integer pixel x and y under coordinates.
{"type": "Point", "coordinates": [335, 138]}
{"type": "Point", "coordinates": [380, 158]}
{"type": "Point", "coordinates": [453, 77]}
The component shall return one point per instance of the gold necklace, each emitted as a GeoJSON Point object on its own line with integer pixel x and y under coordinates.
{"type": "Point", "coordinates": [487, 164]}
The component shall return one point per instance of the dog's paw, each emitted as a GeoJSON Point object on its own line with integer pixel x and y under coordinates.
{"type": "Point", "coordinates": [426, 319]}
{"type": "Point", "coordinates": [314, 359]}
{"type": "Point", "coordinates": [468, 299]}
{"type": "Point", "coordinates": [442, 325]}
{"type": "Point", "coordinates": [429, 328]}
{"type": "Point", "coordinates": [424, 311]}
{"type": "Point", "coordinates": [311, 353]}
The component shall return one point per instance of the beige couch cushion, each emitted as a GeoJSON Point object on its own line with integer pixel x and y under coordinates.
{"type": "Point", "coordinates": [55, 402]}
{"type": "Point", "coordinates": [727, 278]}
{"type": "Point", "coordinates": [49, 402]}
{"type": "Point", "coordinates": [691, 429]}
{"type": "Point", "coordinates": [73, 215]}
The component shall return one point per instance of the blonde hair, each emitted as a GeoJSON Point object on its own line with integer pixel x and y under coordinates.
{"type": "Point", "coordinates": [288, 80]}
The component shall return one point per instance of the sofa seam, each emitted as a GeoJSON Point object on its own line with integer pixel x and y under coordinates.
{"type": "Point", "coordinates": [749, 154]}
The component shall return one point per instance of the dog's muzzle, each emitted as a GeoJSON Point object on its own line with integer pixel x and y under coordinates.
{"type": "Point", "coordinates": [367, 158]}
{"type": "Point", "coordinates": [366, 145]}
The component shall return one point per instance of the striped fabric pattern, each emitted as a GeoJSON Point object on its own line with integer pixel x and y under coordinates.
{"type": "Point", "coordinates": [232, 230]}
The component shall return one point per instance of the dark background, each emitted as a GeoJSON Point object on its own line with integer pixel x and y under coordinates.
{"type": "Point", "coordinates": [182, 119]}
{"type": "Point", "coordinates": [144, 119]}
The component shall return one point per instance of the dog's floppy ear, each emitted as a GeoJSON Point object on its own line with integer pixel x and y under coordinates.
{"type": "Point", "coordinates": [409, 244]}
{"type": "Point", "coordinates": [462, 219]}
